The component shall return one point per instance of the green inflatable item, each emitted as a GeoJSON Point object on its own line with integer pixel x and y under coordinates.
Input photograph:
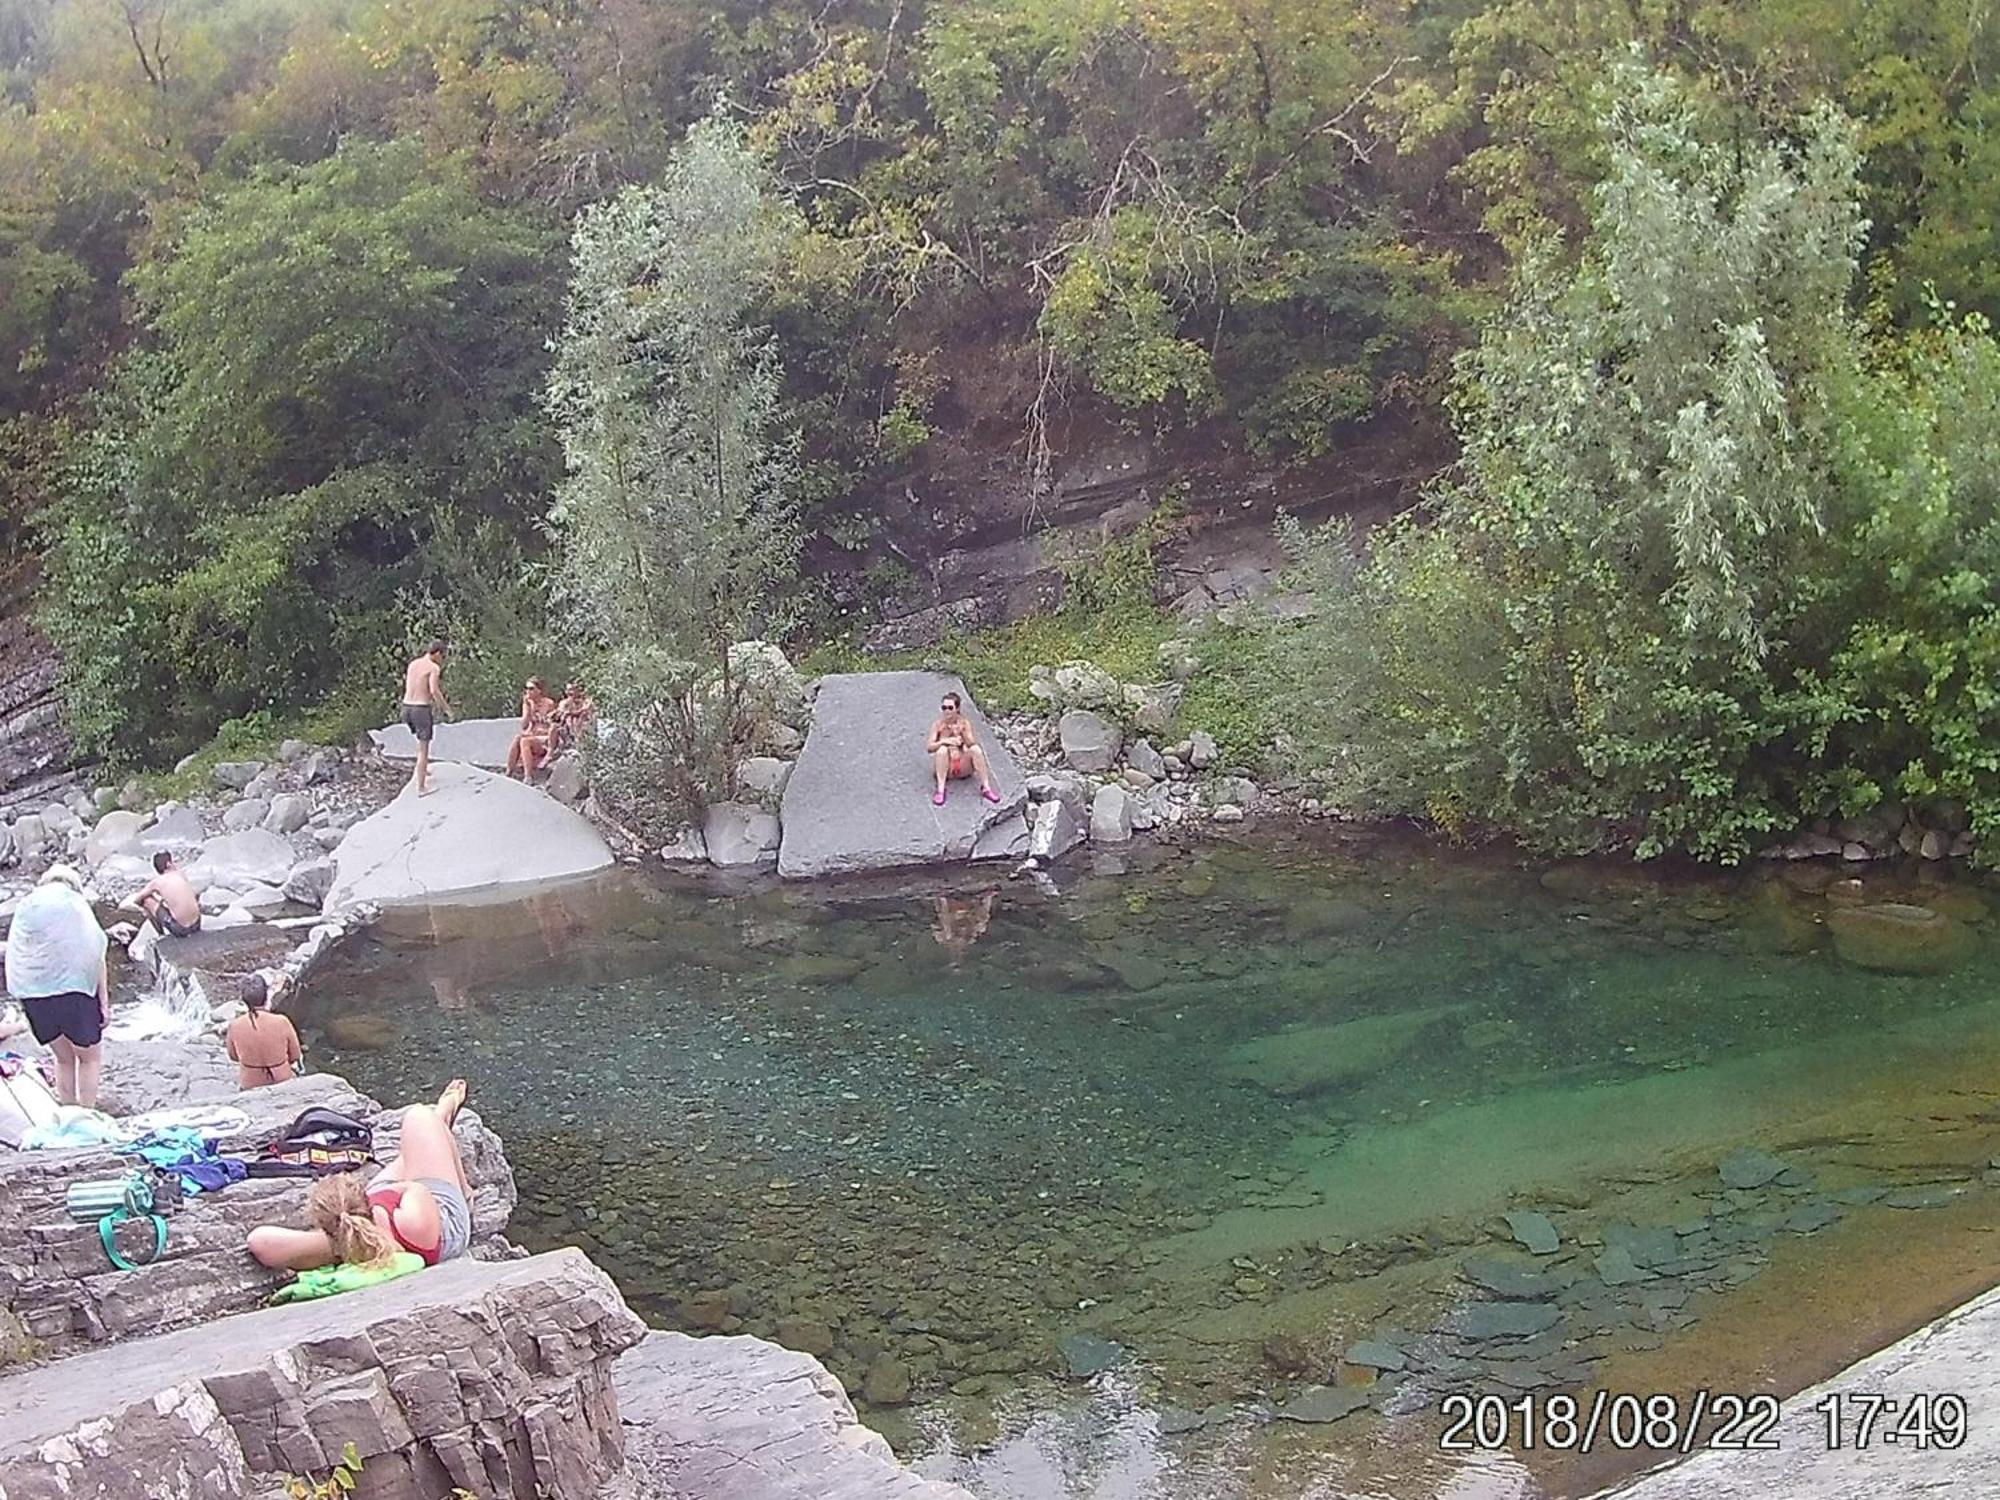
{"type": "Point", "coordinates": [329, 1280]}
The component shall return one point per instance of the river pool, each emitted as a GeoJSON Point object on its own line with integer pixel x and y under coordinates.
{"type": "Point", "coordinates": [1189, 1180]}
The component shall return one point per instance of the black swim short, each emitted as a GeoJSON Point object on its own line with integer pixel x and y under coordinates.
{"type": "Point", "coordinates": [171, 926]}
{"type": "Point", "coordinates": [421, 718]}
{"type": "Point", "coordinates": [72, 1015]}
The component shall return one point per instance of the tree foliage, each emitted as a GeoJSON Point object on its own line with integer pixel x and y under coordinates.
{"type": "Point", "coordinates": [677, 520]}
{"type": "Point", "coordinates": [1710, 565]}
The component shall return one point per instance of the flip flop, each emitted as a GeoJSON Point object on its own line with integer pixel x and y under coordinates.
{"type": "Point", "coordinates": [990, 795]}
{"type": "Point", "coordinates": [937, 799]}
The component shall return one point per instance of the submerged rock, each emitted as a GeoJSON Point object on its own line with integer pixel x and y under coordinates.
{"type": "Point", "coordinates": [1534, 1230]}
{"type": "Point", "coordinates": [1086, 1354]}
{"type": "Point", "coordinates": [1502, 1320]}
{"type": "Point", "coordinates": [1309, 1059]}
{"type": "Point", "coordinates": [1749, 1168]}
{"type": "Point", "coordinates": [1893, 937]}
{"type": "Point", "coordinates": [1324, 1403]}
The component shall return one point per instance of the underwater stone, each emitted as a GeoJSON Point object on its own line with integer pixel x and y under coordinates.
{"type": "Point", "coordinates": [1810, 1218]}
{"type": "Point", "coordinates": [1615, 1267]}
{"type": "Point", "coordinates": [1085, 1354]}
{"type": "Point", "coordinates": [1501, 1320]}
{"type": "Point", "coordinates": [1749, 1168]}
{"type": "Point", "coordinates": [1515, 1280]}
{"type": "Point", "coordinates": [1375, 1354]}
{"type": "Point", "coordinates": [1534, 1230]}
{"type": "Point", "coordinates": [1930, 1195]}
{"type": "Point", "coordinates": [1324, 1403]}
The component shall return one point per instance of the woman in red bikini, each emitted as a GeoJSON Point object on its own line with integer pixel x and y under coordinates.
{"type": "Point", "coordinates": [420, 1202]}
{"type": "Point", "coordinates": [955, 750]}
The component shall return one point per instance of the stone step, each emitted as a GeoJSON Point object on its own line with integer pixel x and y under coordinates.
{"type": "Point", "coordinates": [495, 1377]}
{"type": "Point", "coordinates": [59, 1291]}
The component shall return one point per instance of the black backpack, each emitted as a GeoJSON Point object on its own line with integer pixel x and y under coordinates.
{"type": "Point", "coordinates": [318, 1141]}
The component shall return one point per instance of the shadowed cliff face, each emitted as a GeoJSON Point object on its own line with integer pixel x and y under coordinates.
{"type": "Point", "coordinates": [976, 539]}
{"type": "Point", "coordinates": [35, 748]}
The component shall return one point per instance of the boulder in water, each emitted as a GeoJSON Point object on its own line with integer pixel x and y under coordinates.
{"type": "Point", "coordinates": [859, 798]}
{"type": "Point", "coordinates": [475, 832]}
{"type": "Point", "coordinates": [1892, 937]}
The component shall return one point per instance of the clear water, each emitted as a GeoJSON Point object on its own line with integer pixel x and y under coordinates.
{"type": "Point", "coordinates": [1229, 1113]}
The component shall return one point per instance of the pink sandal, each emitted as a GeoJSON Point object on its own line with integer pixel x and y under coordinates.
{"type": "Point", "coordinates": [937, 799]}
{"type": "Point", "coordinates": [990, 795]}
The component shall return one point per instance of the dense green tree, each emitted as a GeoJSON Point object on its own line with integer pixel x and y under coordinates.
{"type": "Point", "coordinates": [334, 353]}
{"type": "Point", "coordinates": [676, 522]}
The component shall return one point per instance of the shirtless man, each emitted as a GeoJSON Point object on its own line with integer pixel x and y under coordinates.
{"type": "Point", "coordinates": [955, 751]}
{"type": "Point", "coordinates": [169, 901]}
{"type": "Point", "coordinates": [423, 698]}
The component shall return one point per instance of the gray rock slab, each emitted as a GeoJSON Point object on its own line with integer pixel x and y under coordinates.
{"type": "Point", "coordinates": [1534, 1230]}
{"type": "Point", "coordinates": [1498, 1320]}
{"type": "Point", "coordinates": [740, 1419]}
{"type": "Point", "coordinates": [55, 1279]}
{"type": "Point", "coordinates": [859, 798]}
{"type": "Point", "coordinates": [473, 742]}
{"type": "Point", "coordinates": [1749, 1168]}
{"type": "Point", "coordinates": [474, 833]}
{"type": "Point", "coordinates": [1324, 1403]}
{"type": "Point", "coordinates": [1960, 1352]}
{"type": "Point", "coordinates": [228, 1407]}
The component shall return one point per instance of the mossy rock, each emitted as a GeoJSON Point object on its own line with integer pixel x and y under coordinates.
{"type": "Point", "coordinates": [1893, 937]}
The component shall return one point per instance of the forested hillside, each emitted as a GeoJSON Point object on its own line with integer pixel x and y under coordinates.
{"type": "Point", "coordinates": [283, 279]}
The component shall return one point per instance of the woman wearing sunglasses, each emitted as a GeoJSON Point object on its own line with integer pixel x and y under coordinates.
{"type": "Point", "coordinates": [955, 752]}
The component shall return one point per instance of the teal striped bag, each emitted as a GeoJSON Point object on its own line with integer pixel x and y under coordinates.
{"type": "Point", "coordinates": [111, 1201]}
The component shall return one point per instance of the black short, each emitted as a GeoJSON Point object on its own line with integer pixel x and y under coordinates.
{"type": "Point", "coordinates": [422, 719]}
{"type": "Point", "coordinates": [171, 926]}
{"type": "Point", "coordinates": [72, 1015]}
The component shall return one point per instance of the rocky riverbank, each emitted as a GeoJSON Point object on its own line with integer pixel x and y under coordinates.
{"type": "Point", "coordinates": [499, 1373]}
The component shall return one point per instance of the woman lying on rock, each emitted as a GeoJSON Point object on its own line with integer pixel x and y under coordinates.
{"type": "Point", "coordinates": [420, 1202]}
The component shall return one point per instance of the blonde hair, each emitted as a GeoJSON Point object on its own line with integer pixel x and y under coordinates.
{"type": "Point", "coordinates": [338, 1208]}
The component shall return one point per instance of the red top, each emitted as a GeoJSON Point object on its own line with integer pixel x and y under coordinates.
{"type": "Point", "coordinates": [389, 1195]}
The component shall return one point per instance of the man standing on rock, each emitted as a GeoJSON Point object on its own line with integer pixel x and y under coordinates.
{"type": "Point", "coordinates": [955, 752]}
{"type": "Point", "coordinates": [423, 697]}
{"type": "Point", "coordinates": [56, 969]}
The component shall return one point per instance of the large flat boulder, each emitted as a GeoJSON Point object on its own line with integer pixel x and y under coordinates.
{"type": "Point", "coordinates": [860, 796]}
{"type": "Point", "coordinates": [57, 1284]}
{"type": "Point", "coordinates": [740, 1419]}
{"type": "Point", "coordinates": [474, 742]}
{"type": "Point", "coordinates": [474, 833]}
{"type": "Point", "coordinates": [493, 1378]}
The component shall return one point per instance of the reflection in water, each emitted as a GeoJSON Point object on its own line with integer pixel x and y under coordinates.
{"type": "Point", "coordinates": [962, 921]}
{"type": "Point", "coordinates": [1231, 1114]}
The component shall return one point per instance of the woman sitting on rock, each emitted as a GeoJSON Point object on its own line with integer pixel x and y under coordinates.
{"type": "Point", "coordinates": [531, 746]}
{"type": "Point", "coordinates": [420, 1202]}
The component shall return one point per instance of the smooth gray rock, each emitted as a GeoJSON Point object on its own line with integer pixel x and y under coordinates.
{"type": "Point", "coordinates": [237, 774]}
{"type": "Point", "coordinates": [859, 798]}
{"type": "Point", "coordinates": [739, 833]}
{"type": "Point", "coordinates": [473, 742]}
{"type": "Point", "coordinates": [1087, 1354]}
{"type": "Point", "coordinates": [175, 829]}
{"type": "Point", "coordinates": [1111, 815]}
{"type": "Point", "coordinates": [115, 833]}
{"type": "Point", "coordinates": [566, 780]}
{"type": "Point", "coordinates": [741, 1419]}
{"type": "Point", "coordinates": [471, 1374]}
{"type": "Point", "coordinates": [249, 813]}
{"type": "Point", "coordinates": [251, 855]}
{"type": "Point", "coordinates": [1955, 1354]}
{"type": "Point", "coordinates": [310, 881]}
{"type": "Point", "coordinates": [289, 812]}
{"type": "Point", "coordinates": [31, 835]}
{"type": "Point", "coordinates": [475, 832]}
{"type": "Point", "coordinates": [1373, 1354]}
{"type": "Point", "coordinates": [1928, 1195]}
{"type": "Point", "coordinates": [1090, 742]}
{"type": "Point", "coordinates": [1508, 1278]}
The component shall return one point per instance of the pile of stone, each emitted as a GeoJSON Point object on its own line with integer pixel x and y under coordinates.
{"type": "Point", "coordinates": [1565, 1294]}
{"type": "Point", "coordinates": [1929, 831]}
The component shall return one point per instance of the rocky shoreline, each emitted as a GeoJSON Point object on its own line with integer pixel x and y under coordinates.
{"type": "Point", "coordinates": [503, 1373]}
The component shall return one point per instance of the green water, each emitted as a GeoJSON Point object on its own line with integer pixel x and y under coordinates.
{"type": "Point", "coordinates": [1227, 1113]}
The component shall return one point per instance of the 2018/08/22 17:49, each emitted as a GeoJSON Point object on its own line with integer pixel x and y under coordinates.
{"type": "Point", "coordinates": [1859, 1419]}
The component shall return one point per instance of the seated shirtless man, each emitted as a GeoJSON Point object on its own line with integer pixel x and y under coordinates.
{"type": "Point", "coordinates": [955, 751]}
{"type": "Point", "coordinates": [168, 901]}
